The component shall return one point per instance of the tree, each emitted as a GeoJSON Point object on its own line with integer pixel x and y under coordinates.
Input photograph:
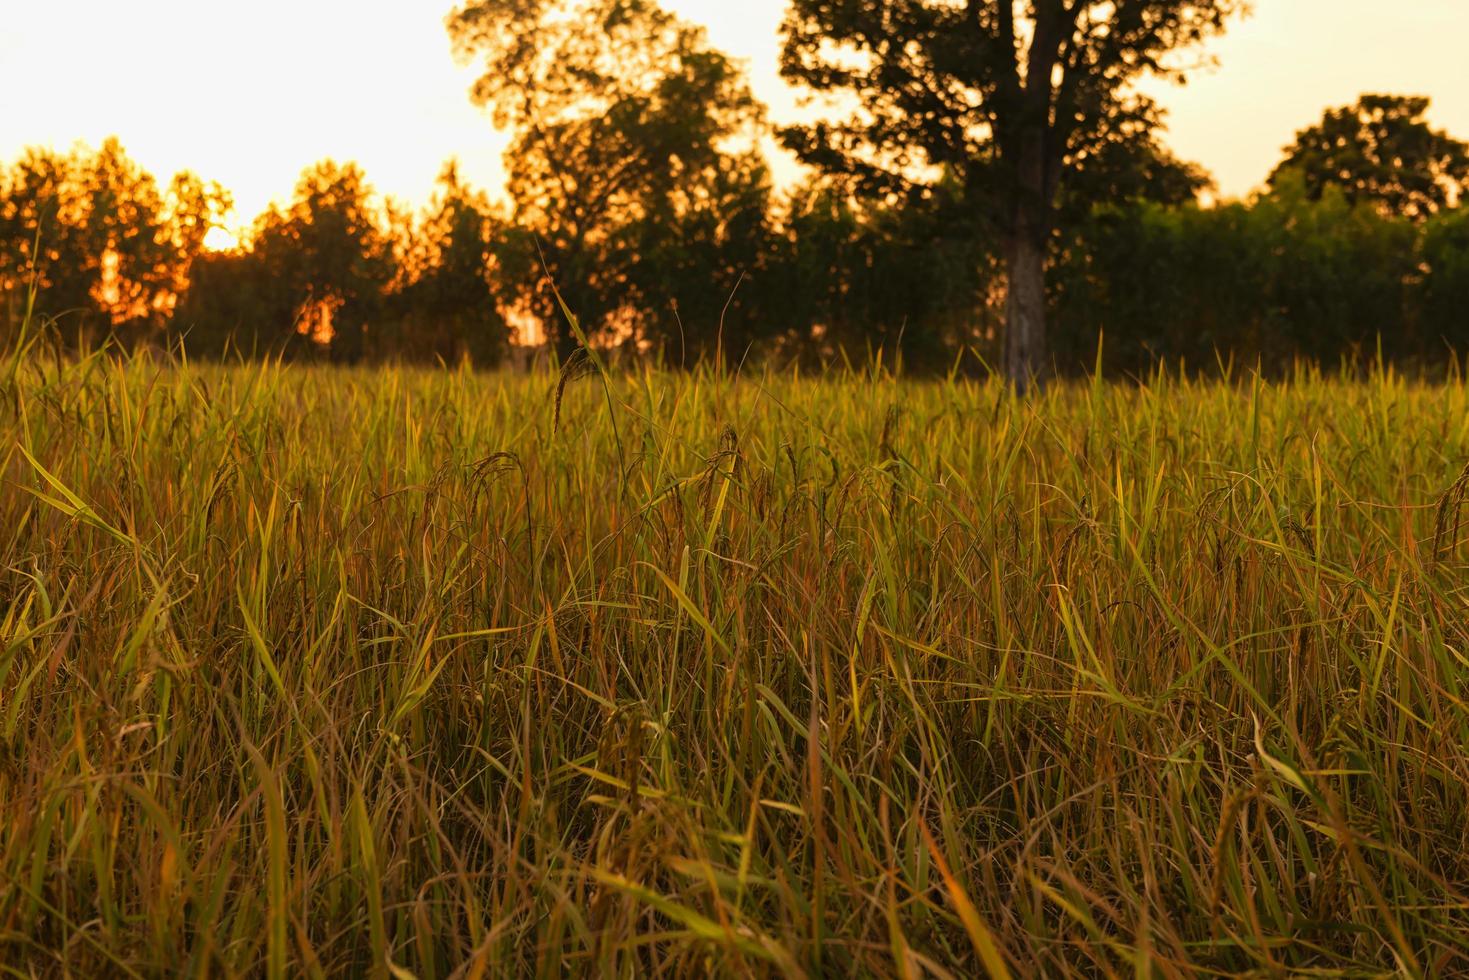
{"type": "Point", "coordinates": [327, 262]}
{"type": "Point", "coordinates": [41, 248]}
{"type": "Point", "coordinates": [1277, 279]}
{"type": "Point", "coordinates": [1382, 152]}
{"type": "Point", "coordinates": [869, 276]}
{"type": "Point", "coordinates": [1011, 96]}
{"type": "Point", "coordinates": [106, 249]}
{"type": "Point", "coordinates": [629, 130]}
{"type": "Point", "coordinates": [1445, 287]}
{"type": "Point", "coordinates": [230, 308]}
{"type": "Point", "coordinates": [447, 308]}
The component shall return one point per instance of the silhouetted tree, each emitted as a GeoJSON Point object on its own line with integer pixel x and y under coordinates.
{"type": "Point", "coordinates": [634, 164]}
{"type": "Point", "coordinates": [861, 275]}
{"type": "Point", "coordinates": [446, 309]}
{"type": "Point", "coordinates": [1006, 95]}
{"type": "Point", "coordinates": [235, 307]}
{"type": "Point", "coordinates": [688, 259]}
{"type": "Point", "coordinates": [107, 250]}
{"type": "Point", "coordinates": [40, 202]}
{"type": "Point", "coordinates": [1382, 152]}
{"type": "Point", "coordinates": [1126, 166]}
{"type": "Point", "coordinates": [327, 262]}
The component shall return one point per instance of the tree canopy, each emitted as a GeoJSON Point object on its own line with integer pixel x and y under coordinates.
{"type": "Point", "coordinates": [447, 299]}
{"type": "Point", "coordinates": [107, 248]}
{"type": "Point", "coordinates": [327, 258]}
{"type": "Point", "coordinates": [1382, 152]}
{"type": "Point", "coordinates": [637, 183]}
{"type": "Point", "coordinates": [634, 161]}
{"type": "Point", "coordinates": [1015, 97]}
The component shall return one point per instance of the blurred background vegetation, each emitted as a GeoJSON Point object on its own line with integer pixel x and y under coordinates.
{"type": "Point", "coordinates": [638, 188]}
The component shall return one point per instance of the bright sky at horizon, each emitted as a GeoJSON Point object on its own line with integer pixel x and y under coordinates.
{"type": "Point", "coordinates": [250, 94]}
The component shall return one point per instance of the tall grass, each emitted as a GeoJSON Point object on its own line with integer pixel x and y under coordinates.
{"type": "Point", "coordinates": [308, 672]}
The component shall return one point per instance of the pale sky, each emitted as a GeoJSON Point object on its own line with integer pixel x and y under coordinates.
{"type": "Point", "coordinates": [250, 93]}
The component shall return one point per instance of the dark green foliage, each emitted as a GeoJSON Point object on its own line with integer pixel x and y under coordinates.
{"type": "Point", "coordinates": [336, 275]}
{"type": "Point", "coordinates": [446, 310]}
{"type": "Point", "coordinates": [328, 259]}
{"type": "Point", "coordinates": [1284, 278]}
{"type": "Point", "coordinates": [1445, 294]}
{"type": "Point", "coordinates": [690, 270]}
{"type": "Point", "coordinates": [234, 309]}
{"type": "Point", "coordinates": [1014, 100]}
{"type": "Point", "coordinates": [910, 278]}
{"type": "Point", "coordinates": [638, 187]}
{"type": "Point", "coordinates": [1382, 152]}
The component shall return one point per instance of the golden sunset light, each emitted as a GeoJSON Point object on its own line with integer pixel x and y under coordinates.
{"type": "Point", "coordinates": [221, 239]}
{"type": "Point", "coordinates": [249, 94]}
{"type": "Point", "coordinates": [687, 489]}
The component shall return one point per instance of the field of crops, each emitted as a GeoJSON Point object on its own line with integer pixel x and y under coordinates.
{"type": "Point", "coordinates": [321, 672]}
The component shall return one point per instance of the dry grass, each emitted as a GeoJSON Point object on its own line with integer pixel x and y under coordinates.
{"type": "Point", "coordinates": [327, 673]}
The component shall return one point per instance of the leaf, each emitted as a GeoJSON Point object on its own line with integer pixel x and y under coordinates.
{"type": "Point", "coordinates": [979, 934]}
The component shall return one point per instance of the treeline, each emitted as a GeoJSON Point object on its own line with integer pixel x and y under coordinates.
{"type": "Point", "coordinates": [1282, 278]}
{"type": "Point", "coordinates": [341, 274]}
{"type": "Point", "coordinates": [821, 274]}
{"type": "Point", "coordinates": [640, 214]}
{"type": "Point", "coordinates": [91, 244]}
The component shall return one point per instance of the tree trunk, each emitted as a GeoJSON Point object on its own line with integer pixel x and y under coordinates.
{"type": "Point", "coordinates": [1025, 307]}
{"type": "Point", "coordinates": [1025, 258]}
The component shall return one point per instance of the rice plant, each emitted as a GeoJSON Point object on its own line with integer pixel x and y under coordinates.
{"type": "Point", "coordinates": [331, 672]}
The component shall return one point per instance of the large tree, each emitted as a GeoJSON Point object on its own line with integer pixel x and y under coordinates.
{"type": "Point", "coordinates": [108, 251]}
{"type": "Point", "coordinates": [634, 158]}
{"type": "Point", "coordinates": [328, 262]}
{"type": "Point", "coordinates": [1013, 96]}
{"type": "Point", "coordinates": [1381, 152]}
{"type": "Point", "coordinates": [445, 306]}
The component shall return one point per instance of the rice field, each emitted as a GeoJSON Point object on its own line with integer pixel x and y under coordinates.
{"type": "Point", "coordinates": [318, 672]}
